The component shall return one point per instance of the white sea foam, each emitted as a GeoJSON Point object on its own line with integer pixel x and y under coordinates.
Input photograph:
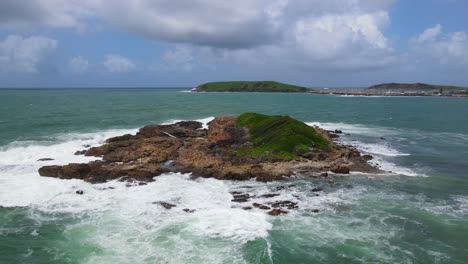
{"type": "Point", "coordinates": [382, 150]}
{"type": "Point", "coordinates": [128, 223]}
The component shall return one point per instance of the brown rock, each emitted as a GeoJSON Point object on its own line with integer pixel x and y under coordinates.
{"type": "Point", "coordinates": [341, 169]}
{"type": "Point", "coordinates": [261, 206]}
{"type": "Point", "coordinates": [276, 212]}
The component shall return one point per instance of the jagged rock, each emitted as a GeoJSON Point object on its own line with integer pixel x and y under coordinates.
{"type": "Point", "coordinates": [223, 151]}
{"type": "Point", "coordinates": [166, 205]}
{"type": "Point", "coordinates": [276, 212]}
{"type": "Point", "coordinates": [45, 159]}
{"type": "Point", "coordinates": [80, 152]}
{"type": "Point", "coordinates": [261, 206]}
{"type": "Point", "coordinates": [286, 204]}
{"type": "Point", "coordinates": [189, 210]}
{"type": "Point", "coordinates": [317, 189]}
{"type": "Point", "coordinates": [341, 169]}
{"type": "Point", "coordinates": [80, 192]}
{"type": "Point", "coordinates": [269, 195]}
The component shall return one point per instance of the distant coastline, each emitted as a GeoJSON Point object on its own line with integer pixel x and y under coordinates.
{"type": "Point", "coordinates": [399, 89]}
{"type": "Point", "coordinates": [384, 89]}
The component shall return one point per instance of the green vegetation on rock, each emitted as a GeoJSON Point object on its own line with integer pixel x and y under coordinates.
{"type": "Point", "coordinates": [247, 86]}
{"type": "Point", "coordinates": [281, 136]}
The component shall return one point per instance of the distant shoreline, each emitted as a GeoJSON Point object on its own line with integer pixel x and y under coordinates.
{"type": "Point", "coordinates": [388, 94]}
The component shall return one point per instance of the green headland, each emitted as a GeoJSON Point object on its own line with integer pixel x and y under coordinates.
{"type": "Point", "coordinates": [250, 86]}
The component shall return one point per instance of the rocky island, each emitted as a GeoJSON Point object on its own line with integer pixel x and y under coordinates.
{"type": "Point", "coordinates": [250, 146]}
{"type": "Point", "coordinates": [250, 86]}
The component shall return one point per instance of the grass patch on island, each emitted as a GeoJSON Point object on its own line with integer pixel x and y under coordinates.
{"type": "Point", "coordinates": [280, 137]}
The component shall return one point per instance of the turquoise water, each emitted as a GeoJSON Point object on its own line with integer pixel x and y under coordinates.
{"type": "Point", "coordinates": [416, 214]}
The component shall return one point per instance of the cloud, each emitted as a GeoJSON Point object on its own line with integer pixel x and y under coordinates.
{"type": "Point", "coordinates": [179, 59]}
{"type": "Point", "coordinates": [118, 64]}
{"type": "Point", "coordinates": [16, 14]}
{"type": "Point", "coordinates": [19, 54]}
{"type": "Point", "coordinates": [78, 65]}
{"type": "Point", "coordinates": [445, 48]}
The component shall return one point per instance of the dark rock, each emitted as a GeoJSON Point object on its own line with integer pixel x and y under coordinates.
{"type": "Point", "coordinates": [382, 138]}
{"type": "Point", "coordinates": [165, 205]}
{"type": "Point", "coordinates": [367, 157]}
{"type": "Point", "coordinates": [86, 146]}
{"type": "Point", "coordinates": [269, 195]}
{"type": "Point", "coordinates": [317, 189]}
{"type": "Point", "coordinates": [286, 204]}
{"type": "Point", "coordinates": [189, 210]}
{"type": "Point", "coordinates": [193, 125]}
{"type": "Point", "coordinates": [80, 192]}
{"type": "Point", "coordinates": [80, 152]}
{"type": "Point", "coordinates": [261, 206]}
{"type": "Point", "coordinates": [120, 138]}
{"type": "Point", "coordinates": [276, 212]}
{"type": "Point", "coordinates": [337, 131]}
{"type": "Point", "coordinates": [315, 210]}
{"type": "Point", "coordinates": [45, 159]}
{"type": "Point", "coordinates": [325, 174]}
{"type": "Point", "coordinates": [247, 208]}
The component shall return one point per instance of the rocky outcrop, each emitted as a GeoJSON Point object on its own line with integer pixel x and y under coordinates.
{"type": "Point", "coordinates": [218, 152]}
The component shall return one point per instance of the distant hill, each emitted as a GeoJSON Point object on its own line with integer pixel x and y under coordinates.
{"type": "Point", "coordinates": [250, 86]}
{"type": "Point", "coordinates": [415, 87]}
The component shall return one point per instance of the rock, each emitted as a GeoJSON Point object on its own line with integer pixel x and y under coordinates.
{"type": "Point", "coordinates": [341, 169]}
{"type": "Point", "coordinates": [317, 189]}
{"type": "Point", "coordinates": [100, 171]}
{"type": "Point", "coordinates": [276, 212]}
{"type": "Point", "coordinates": [247, 208]}
{"type": "Point", "coordinates": [337, 131]}
{"type": "Point", "coordinates": [315, 210]}
{"type": "Point", "coordinates": [86, 146]}
{"type": "Point", "coordinates": [223, 151]}
{"type": "Point", "coordinates": [224, 131]}
{"type": "Point", "coordinates": [240, 200]}
{"type": "Point", "coordinates": [269, 195]}
{"type": "Point", "coordinates": [166, 205]}
{"type": "Point", "coordinates": [189, 210]}
{"type": "Point", "coordinates": [192, 125]}
{"type": "Point", "coordinates": [80, 192]}
{"type": "Point", "coordinates": [287, 204]}
{"type": "Point", "coordinates": [80, 152]}
{"type": "Point", "coordinates": [367, 157]}
{"type": "Point", "coordinates": [324, 175]}
{"type": "Point", "coordinates": [120, 138]}
{"type": "Point", "coordinates": [261, 206]}
{"type": "Point", "coordinates": [45, 159]}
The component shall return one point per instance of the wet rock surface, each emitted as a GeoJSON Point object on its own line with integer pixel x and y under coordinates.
{"type": "Point", "coordinates": [186, 147]}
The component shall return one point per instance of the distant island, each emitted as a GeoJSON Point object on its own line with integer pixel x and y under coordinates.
{"type": "Point", "coordinates": [398, 89]}
{"type": "Point", "coordinates": [250, 86]}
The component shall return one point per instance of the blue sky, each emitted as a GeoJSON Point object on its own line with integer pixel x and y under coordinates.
{"type": "Point", "coordinates": [164, 43]}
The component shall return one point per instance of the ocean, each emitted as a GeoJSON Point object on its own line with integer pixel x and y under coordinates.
{"type": "Point", "coordinates": [415, 213]}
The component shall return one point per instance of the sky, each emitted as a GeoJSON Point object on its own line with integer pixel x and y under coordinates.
{"type": "Point", "coordinates": [183, 43]}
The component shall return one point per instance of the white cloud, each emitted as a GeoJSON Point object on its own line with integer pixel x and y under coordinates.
{"type": "Point", "coordinates": [119, 64]}
{"type": "Point", "coordinates": [446, 48]}
{"type": "Point", "coordinates": [179, 59]}
{"type": "Point", "coordinates": [79, 65]}
{"type": "Point", "coordinates": [16, 14]}
{"type": "Point", "coordinates": [330, 36]}
{"type": "Point", "coordinates": [313, 33]}
{"type": "Point", "coordinates": [429, 34]}
{"type": "Point", "coordinates": [19, 54]}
